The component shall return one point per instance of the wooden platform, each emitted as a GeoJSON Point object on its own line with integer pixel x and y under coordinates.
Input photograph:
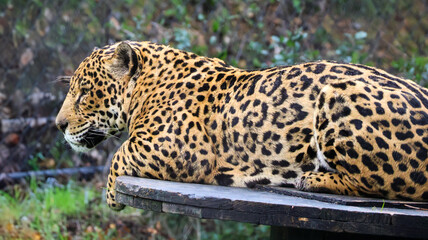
{"type": "Point", "coordinates": [293, 214]}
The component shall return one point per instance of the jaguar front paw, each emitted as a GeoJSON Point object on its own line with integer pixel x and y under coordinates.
{"type": "Point", "coordinates": [111, 201]}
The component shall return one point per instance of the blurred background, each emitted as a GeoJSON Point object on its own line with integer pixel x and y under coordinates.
{"type": "Point", "coordinates": [41, 39]}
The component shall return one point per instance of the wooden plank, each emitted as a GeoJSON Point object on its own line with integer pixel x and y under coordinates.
{"type": "Point", "coordinates": [314, 224]}
{"type": "Point", "coordinates": [182, 209]}
{"type": "Point", "coordinates": [345, 200]}
{"type": "Point", "coordinates": [278, 219]}
{"type": "Point", "coordinates": [234, 198]}
{"type": "Point", "coordinates": [147, 204]}
{"type": "Point", "coordinates": [260, 207]}
{"type": "Point", "coordinates": [131, 186]}
{"type": "Point", "coordinates": [126, 199]}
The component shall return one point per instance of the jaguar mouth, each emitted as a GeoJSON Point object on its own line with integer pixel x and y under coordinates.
{"type": "Point", "coordinates": [92, 138]}
{"type": "Point", "coordinates": [86, 140]}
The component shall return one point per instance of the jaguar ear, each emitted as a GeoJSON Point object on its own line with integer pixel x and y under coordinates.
{"type": "Point", "coordinates": [124, 61]}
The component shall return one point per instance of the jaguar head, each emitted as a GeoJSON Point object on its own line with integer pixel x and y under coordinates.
{"type": "Point", "coordinates": [98, 98]}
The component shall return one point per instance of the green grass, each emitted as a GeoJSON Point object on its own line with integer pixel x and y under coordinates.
{"type": "Point", "coordinates": [45, 210]}
{"type": "Point", "coordinates": [54, 211]}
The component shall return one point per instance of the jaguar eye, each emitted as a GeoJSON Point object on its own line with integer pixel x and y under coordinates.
{"type": "Point", "coordinates": [85, 91]}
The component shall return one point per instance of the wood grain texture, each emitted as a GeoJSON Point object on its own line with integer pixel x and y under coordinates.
{"type": "Point", "coordinates": [263, 207]}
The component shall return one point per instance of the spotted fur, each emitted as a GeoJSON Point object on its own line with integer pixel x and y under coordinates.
{"type": "Point", "coordinates": [321, 126]}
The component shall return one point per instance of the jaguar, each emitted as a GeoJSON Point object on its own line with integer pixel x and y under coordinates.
{"type": "Point", "coordinates": [321, 126]}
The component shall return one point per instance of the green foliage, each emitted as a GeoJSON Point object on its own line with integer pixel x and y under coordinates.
{"type": "Point", "coordinates": [286, 50]}
{"type": "Point", "coordinates": [416, 68]}
{"type": "Point", "coordinates": [34, 159]}
{"type": "Point", "coordinates": [297, 4]}
{"type": "Point", "coordinates": [177, 10]}
{"type": "Point", "coordinates": [48, 210]}
{"type": "Point", "coordinates": [182, 39]}
{"type": "Point", "coordinates": [352, 49]}
{"type": "Point", "coordinates": [192, 228]}
{"type": "Point", "coordinates": [43, 209]}
{"type": "Point", "coordinates": [60, 153]}
{"type": "Point", "coordinates": [235, 230]}
{"type": "Point", "coordinates": [368, 8]}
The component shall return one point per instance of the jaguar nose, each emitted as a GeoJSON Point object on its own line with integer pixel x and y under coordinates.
{"type": "Point", "coordinates": [62, 125]}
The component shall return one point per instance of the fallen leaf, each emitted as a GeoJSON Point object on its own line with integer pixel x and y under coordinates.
{"type": "Point", "coordinates": [89, 229]}
{"type": "Point", "coordinates": [11, 139]}
{"type": "Point", "coordinates": [10, 227]}
{"type": "Point", "coordinates": [26, 58]}
{"type": "Point", "coordinates": [47, 163]}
